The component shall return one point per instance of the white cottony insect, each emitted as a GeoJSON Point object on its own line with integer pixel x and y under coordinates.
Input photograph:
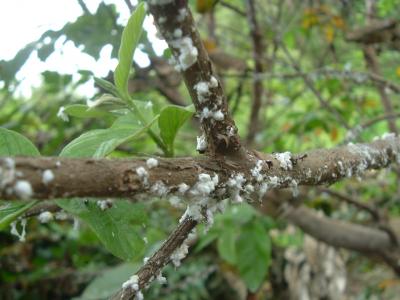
{"type": "Point", "coordinates": [62, 115]}
{"type": "Point", "coordinates": [23, 189]}
{"type": "Point", "coordinates": [47, 177]}
{"type": "Point", "coordinates": [45, 217]}
{"type": "Point", "coordinates": [152, 163]}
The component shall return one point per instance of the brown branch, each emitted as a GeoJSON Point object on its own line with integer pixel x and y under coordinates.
{"type": "Point", "coordinates": [338, 233]}
{"type": "Point", "coordinates": [258, 52]}
{"type": "Point", "coordinates": [175, 23]}
{"type": "Point", "coordinates": [121, 178]}
{"type": "Point", "coordinates": [152, 268]}
{"type": "Point", "coordinates": [371, 210]}
{"type": "Point", "coordinates": [232, 8]}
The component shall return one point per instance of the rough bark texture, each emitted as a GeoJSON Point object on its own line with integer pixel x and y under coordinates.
{"type": "Point", "coordinates": [175, 15]}
{"type": "Point", "coordinates": [118, 178]}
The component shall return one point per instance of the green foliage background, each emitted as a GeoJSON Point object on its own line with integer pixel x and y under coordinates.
{"type": "Point", "coordinates": [60, 262]}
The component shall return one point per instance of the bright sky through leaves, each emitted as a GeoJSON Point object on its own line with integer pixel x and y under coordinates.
{"type": "Point", "coordinates": [23, 21]}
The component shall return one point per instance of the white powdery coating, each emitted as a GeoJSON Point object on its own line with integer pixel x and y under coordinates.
{"type": "Point", "coordinates": [295, 188]}
{"type": "Point", "coordinates": [45, 217]}
{"type": "Point", "coordinates": [218, 115]}
{"type": "Point", "coordinates": [159, 188]}
{"type": "Point", "coordinates": [213, 82]}
{"type": "Point", "coordinates": [231, 131]}
{"type": "Point", "coordinates": [205, 185]}
{"type": "Point", "coordinates": [182, 13]}
{"type": "Point", "coordinates": [149, 105]}
{"type": "Point", "coordinates": [177, 33]}
{"type": "Point", "coordinates": [175, 201]}
{"type": "Point", "coordinates": [161, 279]}
{"type": "Point", "coordinates": [256, 171]}
{"type": "Point", "coordinates": [23, 189]}
{"type": "Point", "coordinates": [202, 90]}
{"type": "Point", "coordinates": [143, 175]}
{"type": "Point", "coordinates": [7, 172]}
{"type": "Point", "coordinates": [388, 135]}
{"type": "Point", "coordinates": [62, 115]}
{"type": "Point", "coordinates": [152, 163]}
{"type": "Point", "coordinates": [104, 204]}
{"type": "Point", "coordinates": [205, 113]}
{"type": "Point", "coordinates": [183, 188]}
{"type": "Point", "coordinates": [235, 185]}
{"type": "Point", "coordinates": [14, 231]}
{"type": "Point", "coordinates": [284, 160]}
{"type": "Point", "coordinates": [132, 282]}
{"type": "Point", "coordinates": [179, 254]}
{"type": "Point", "coordinates": [201, 143]}
{"type": "Point", "coordinates": [139, 296]}
{"type": "Point", "coordinates": [61, 215]}
{"type": "Point", "coordinates": [187, 52]}
{"type": "Point", "coordinates": [162, 20]}
{"type": "Point", "coordinates": [47, 177]}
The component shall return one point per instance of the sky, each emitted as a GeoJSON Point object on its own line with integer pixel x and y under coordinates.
{"type": "Point", "coordinates": [23, 21]}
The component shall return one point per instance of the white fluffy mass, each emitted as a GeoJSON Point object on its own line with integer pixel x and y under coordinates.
{"type": "Point", "coordinates": [187, 52]}
{"type": "Point", "coordinates": [47, 177]}
{"type": "Point", "coordinates": [45, 217]}
{"type": "Point", "coordinates": [143, 175]}
{"type": "Point", "coordinates": [62, 115]}
{"type": "Point", "coordinates": [132, 282]}
{"type": "Point", "coordinates": [152, 163]}
{"type": "Point", "coordinates": [202, 90]}
{"type": "Point", "coordinates": [201, 143]}
{"type": "Point", "coordinates": [284, 160]}
{"type": "Point", "coordinates": [23, 189]}
{"type": "Point", "coordinates": [179, 254]}
{"type": "Point", "coordinates": [14, 231]}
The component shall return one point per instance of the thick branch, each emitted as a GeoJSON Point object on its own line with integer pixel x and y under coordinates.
{"type": "Point", "coordinates": [338, 233]}
{"type": "Point", "coordinates": [176, 24]}
{"type": "Point", "coordinates": [125, 178]}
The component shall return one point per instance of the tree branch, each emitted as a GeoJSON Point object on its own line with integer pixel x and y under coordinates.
{"type": "Point", "coordinates": [175, 23]}
{"type": "Point", "coordinates": [258, 51]}
{"type": "Point", "coordinates": [152, 268]}
{"type": "Point", "coordinates": [129, 178]}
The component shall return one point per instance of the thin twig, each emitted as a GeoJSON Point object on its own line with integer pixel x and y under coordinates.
{"type": "Point", "coordinates": [152, 268]}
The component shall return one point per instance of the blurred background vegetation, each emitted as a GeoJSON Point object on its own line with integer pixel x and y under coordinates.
{"type": "Point", "coordinates": [319, 92]}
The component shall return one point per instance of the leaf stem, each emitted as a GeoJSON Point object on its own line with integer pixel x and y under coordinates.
{"type": "Point", "coordinates": [151, 133]}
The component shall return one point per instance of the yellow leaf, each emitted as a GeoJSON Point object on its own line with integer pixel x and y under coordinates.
{"type": "Point", "coordinates": [329, 33]}
{"type": "Point", "coordinates": [338, 22]}
{"type": "Point", "coordinates": [334, 134]}
{"type": "Point", "coordinates": [204, 6]}
{"type": "Point", "coordinates": [210, 45]}
{"type": "Point", "coordinates": [398, 71]}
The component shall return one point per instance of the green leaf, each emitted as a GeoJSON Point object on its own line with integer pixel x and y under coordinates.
{"type": "Point", "coordinates": [227, 244]}
{"type": "Point", "coordinates": [129, 41]}
{"type": "Point", "coordinates": [99, 143]}
{"type": "Point", "coordinates": [253, 254]}
{"type": "Point", "coordinates": [83, 111]}
{"type": "Point", "coordinates": [171, 120]}
{"type": "Point", "coordinates": [106, 85]}
{"type": "Point", "coordinates": [10, 211]}
{"type": "Point", "coordinates": [118, 228]}
{"type": "Point", "coordinates": [108, 282]}
{"type": "Point", "coordinates": [15, 144]}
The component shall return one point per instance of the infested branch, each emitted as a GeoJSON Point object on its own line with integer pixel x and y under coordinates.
{"type": "Point", "coordinates": [154, 265]}
{"type": "Point", "coordinates": [122, 178]}
{"type": "Point", "coordinates": [175, 23]}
